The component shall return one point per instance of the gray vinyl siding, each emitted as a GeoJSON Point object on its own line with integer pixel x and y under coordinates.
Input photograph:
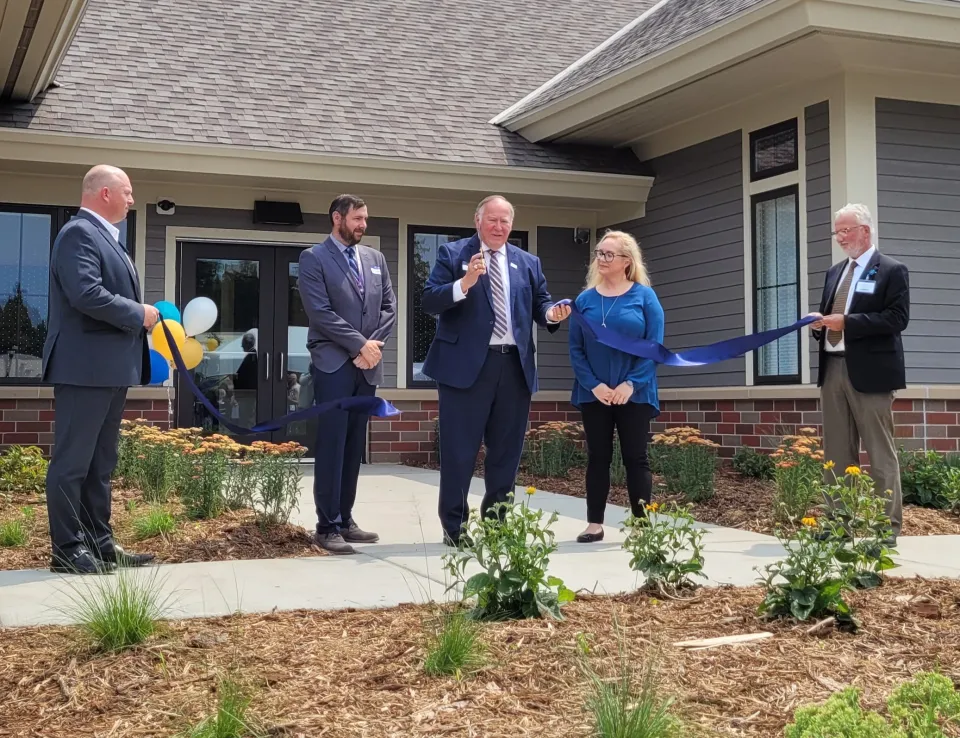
{"type": "Point", "coordinates": [564, 267]}
{"type": "Point", "coordinates": [918, 190]}
{"type": "Point", "coordinates": [692, 242]}
{"type": "Point", "coordinates": [155, 255]}
{"type": "Point", "coordinates": [819, 214]}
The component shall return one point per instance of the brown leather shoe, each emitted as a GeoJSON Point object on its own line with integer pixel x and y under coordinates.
{"type": "Point", "coordinates": [354, 534]}
{"type": "Point", "coordinates": [334, 543]}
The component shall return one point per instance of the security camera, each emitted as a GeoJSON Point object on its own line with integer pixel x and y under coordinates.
{"type": "Point", "coordinates": [166, 207]}
{"type": "Point", "coordinates": [581, 236]}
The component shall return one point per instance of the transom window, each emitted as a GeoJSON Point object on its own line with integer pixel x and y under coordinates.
{"type": "Point", "coordinates": [773, 150]}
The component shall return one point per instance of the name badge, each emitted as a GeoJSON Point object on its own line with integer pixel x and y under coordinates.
{"type": "Point", "coordinates": [513, 265]}
{"type": "Point", "coordinates": [464, 266]}
{"type": "Point", "coordinates": [866, 288]}
{"type": "Point", "coordinates": [375, 270]}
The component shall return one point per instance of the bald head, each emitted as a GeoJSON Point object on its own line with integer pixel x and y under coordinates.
{"type": "Point", "coordinates": [107, 192]}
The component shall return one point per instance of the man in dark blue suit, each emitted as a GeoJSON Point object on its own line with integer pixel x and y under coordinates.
{"type": "Point", "coordinates": [95, 349]}
{"type": "Point", "coordinates": [487, 294]}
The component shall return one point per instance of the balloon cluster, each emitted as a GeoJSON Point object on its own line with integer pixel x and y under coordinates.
{"type": "Point", "coordinates": [199, 315]}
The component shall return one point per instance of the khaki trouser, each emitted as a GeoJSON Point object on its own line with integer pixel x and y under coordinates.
{"type": "Point", "coordinates": [848, 417]}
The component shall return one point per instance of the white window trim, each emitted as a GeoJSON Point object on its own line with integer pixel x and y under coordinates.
{"type": "Point", "coordinates": [787, 179]}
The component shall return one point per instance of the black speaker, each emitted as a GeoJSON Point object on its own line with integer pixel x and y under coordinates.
{"type": "Point", "coordinates": [277, 213]}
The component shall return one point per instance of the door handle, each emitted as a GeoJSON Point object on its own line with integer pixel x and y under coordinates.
{"type": "Point", "coordinates": [281, 369]}
{"type": "Point", "coordinates": [266, 362]}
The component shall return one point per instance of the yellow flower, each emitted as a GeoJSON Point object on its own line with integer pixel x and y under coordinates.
{"type": "Point", "coordinates": [809, 522]}
{"type": "Point", "coordinates": [531, 489]}
{"type": "Point", "coordinates": [653, 507]}
{"type": "Point", "coordinates": [829, 465]}
{"type": "Point", "coordinates": [853, 470]}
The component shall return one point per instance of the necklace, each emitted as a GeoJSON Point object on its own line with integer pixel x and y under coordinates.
{"type": "Point", "coordinates": [605, 313]}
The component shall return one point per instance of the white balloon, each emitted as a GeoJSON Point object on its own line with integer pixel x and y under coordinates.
{"type": "Point", "coordinates": [199, 315]}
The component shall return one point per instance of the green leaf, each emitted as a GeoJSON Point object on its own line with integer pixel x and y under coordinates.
{"type": "Point", "coordinates": [799, 610]}
{"type": "Point", "coordinates": [565, 595]}
{"type": "Point", "coordinates": [478, 584]}
{"type": "Point", "coordinates": [554, 582]}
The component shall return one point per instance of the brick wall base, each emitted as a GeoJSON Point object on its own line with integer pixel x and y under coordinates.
{"type": "Point", "coordinates": [920, 424]}
{"type": "Point", "coordinates": [29, 422]}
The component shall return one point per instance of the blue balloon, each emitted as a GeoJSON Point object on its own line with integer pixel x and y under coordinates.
{"type": "Point", "coordinates": [168, 311]}
{"type": "Point", "coordinates": [159, 368]}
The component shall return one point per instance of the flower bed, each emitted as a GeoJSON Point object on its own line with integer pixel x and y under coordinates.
{"type": "Point", "coordinates": [528, 685]}
{"type": "Point", "coordinates": [183, 496]}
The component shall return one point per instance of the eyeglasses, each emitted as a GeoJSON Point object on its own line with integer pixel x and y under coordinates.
{"type": "Point", "coordinates": [844, 231]}
{"type": "Point", "coordinates": [606, 256]}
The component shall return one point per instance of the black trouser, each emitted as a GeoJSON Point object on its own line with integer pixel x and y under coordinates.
{"type": "Point", "coordinates": [632, 422]}
{"type": "Point", "coordinates": [84, 456]}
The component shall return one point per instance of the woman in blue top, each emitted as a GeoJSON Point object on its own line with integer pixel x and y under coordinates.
{"type": "Point", "coordinates": [614, 389]}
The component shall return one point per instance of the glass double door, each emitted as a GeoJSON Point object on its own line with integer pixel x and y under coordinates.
{"type": "Point", "coordinates": [255, 360]}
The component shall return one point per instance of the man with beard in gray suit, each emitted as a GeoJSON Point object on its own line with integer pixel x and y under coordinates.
{"type": "Point", "coordinates": [351, 310]}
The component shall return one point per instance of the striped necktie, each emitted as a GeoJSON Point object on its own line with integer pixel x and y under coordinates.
{"type": "Point", "coordinates": [351, 258]}
{"type": "Point", "coordinates": [499, 300]}
{"type": "Point", "coordinates": [840, 302]}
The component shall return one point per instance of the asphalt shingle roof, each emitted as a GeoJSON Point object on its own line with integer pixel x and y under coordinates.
{"type": "Point", "coordinates": [408, 79]}
{"type": "Point", "coordinates": [672, 22]}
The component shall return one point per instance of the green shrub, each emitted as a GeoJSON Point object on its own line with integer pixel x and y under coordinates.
{"type": "Point", "coordinates": [809, 582]}
{"type": "Point", "coordinates": [665, 548]}
{"type": "Point", "coordinates": [858, 520]}
{"type": "Point", "coordinates": [15, 533]}
{"type": "Point", "coordinates": [202, 489]}
{"type": "Point", "coordinates": [798, 471]}
{"type": "Point", "coordinates": [118, 612]}
{"type": "Point", "coordinates": [924, 705]}
{"type": "Point", "coordinates": [840, 717]}
{"type": "Point", "coordinates": [152, 523]}
{"type": "Point", "coordinates": [688, 462]}
{"type": "Point", "coordinates": [276, 493]}
{"type": "Point", "coordinates": [512, 553]}
{"type": "Point", "coordinates": [926, 478]}
{"type": "Point", "coordinates": [552, 449]}
{"type": "Point", "coordinates": [454, 646]}
{"type": "Point", "coordinates": [752, 463]}
{"type": "Point", "coordinates": [231, 718]}
{"type": "Point", "coordinates": [23, 469]}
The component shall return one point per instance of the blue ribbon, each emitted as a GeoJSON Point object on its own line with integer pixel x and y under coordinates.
{"type": "Point", "coordinates": [375, 406]}
{"type": "Point", "coordinates": [700, 356]}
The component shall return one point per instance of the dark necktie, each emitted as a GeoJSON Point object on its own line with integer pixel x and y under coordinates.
{"type": "Point", "coordinates": [840, 303]}
{"type": "Point", "coordinates": [352, 260]}
{"type": "Point", "coordinates": [499, 300]}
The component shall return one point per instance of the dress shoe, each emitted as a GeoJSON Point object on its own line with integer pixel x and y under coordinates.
{"type": "Point", "coordinates": [590, 537]}
{"type": "Point", "coordinates": [116, 555]}
{"type": "Point", "coordinates": [80, 562]}
{"type": "Point", "coordinates": [354, 534]}
{"type": "Point", "coordinates": [334, 543]}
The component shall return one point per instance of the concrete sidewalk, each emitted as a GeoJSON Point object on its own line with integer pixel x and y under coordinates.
{"type": "Point", "coordinates": [400, 503]}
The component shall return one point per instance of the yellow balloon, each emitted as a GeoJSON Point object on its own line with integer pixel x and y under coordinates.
{"type": "Point", "coordinates": [192, 353]}
{"type": "Point", "coordinates": [212, 344]}
{"type": "Point", "coordinates": [160, 339]}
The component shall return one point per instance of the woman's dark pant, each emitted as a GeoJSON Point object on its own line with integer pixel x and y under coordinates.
{"type": "Point", "coordinates": [632, 423]}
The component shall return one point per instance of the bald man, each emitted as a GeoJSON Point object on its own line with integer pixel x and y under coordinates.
{"type": "Point", "coordinates": [95, 349]}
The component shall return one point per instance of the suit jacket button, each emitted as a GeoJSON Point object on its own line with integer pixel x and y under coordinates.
{"type": "Point", "coordinates": [491, 322]}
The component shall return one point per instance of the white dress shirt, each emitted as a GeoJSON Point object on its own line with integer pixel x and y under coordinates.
{"type": "Point", "coordinates": [111, 228]}
{"type": "Point", "coordinates": [859, 264]}
{"type": "Point", "coordinates": [458, 294]}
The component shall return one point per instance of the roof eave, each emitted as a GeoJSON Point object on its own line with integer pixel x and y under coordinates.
{"type": "Point", "coordinates": [33, 42]}
{"type": "Point", "coordinates": [758, 30]}
{"type": "Point", "coordinates": [603, 189]}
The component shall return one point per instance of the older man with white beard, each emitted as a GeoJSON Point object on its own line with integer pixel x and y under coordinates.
{"type": "Point", "coordinates": [864, 308]}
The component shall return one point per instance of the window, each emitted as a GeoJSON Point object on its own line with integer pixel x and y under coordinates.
{"type": "Point", "coordinates": [27, 233]}
{"type": "Point", "coordinates": [423, 243]}
{"type": "Point", "coordinates": [776, 270]}
{"type": "Point", "coordinates": [773, 150]}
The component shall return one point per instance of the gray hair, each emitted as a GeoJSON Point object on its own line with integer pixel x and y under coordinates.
{"type": "Point", "coordinates": [491, 198]}
{"type": "Point", "coordinates": [862, 213]}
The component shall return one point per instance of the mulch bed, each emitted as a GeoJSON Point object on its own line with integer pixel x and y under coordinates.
{"type": "Point", "coordinates": [358, 674]}
{"type": "Point", "coordinates": [232, 536]}
{"type": "Point", "coordinates": [740, 502]}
